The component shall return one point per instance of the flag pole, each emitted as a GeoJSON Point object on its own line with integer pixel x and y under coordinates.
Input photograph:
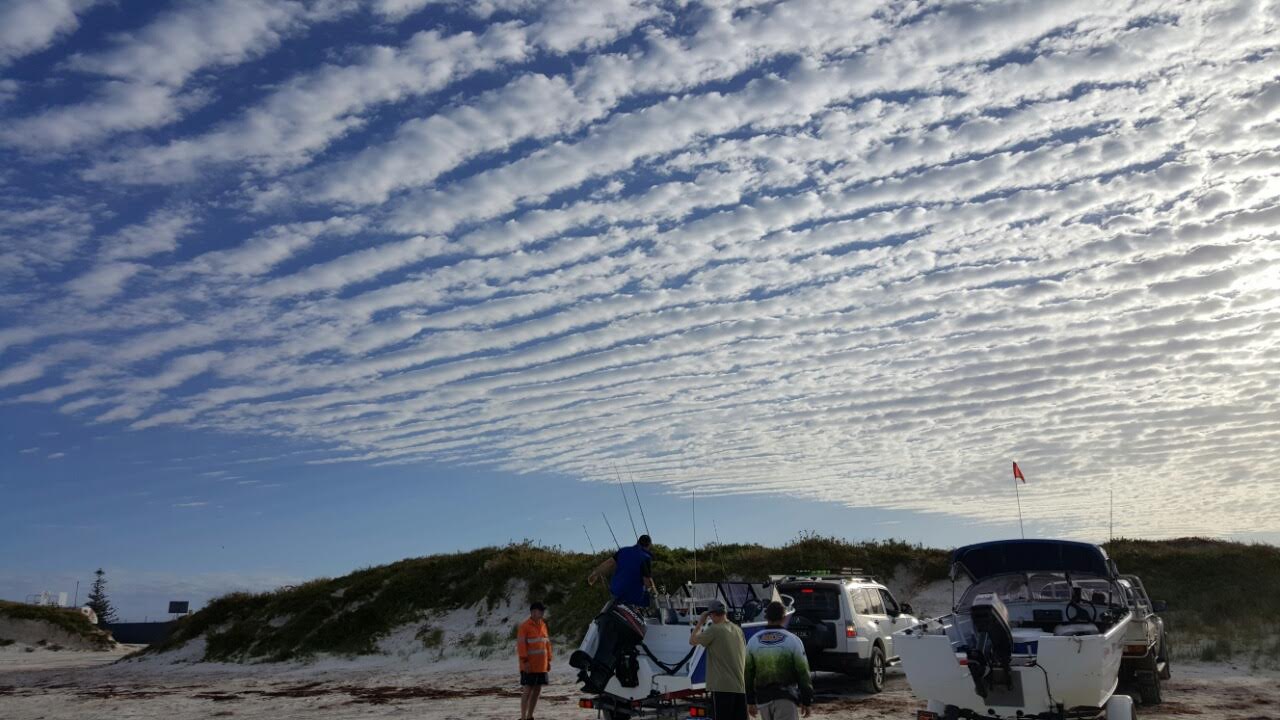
{"type": "Point", "coordinates": [1018, 495]}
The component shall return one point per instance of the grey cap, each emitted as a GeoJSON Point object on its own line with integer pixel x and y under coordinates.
{"type": "Point", "coordinates": [715, 606]}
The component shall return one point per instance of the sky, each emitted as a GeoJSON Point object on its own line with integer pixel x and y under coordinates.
{"type": "Point", "coordinates": [292, 288]}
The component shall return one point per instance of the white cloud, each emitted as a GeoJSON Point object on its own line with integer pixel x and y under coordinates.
{"type": "Point", "coordinates": [104, 281]}
{"type": "Point", "coordinates": [118, 107]}
{"type": "Point", "coordinates": [192, 37]}
{"type": "Point", "coordinates": [27, 26]}
{"type": "Point", "coordinates": [159, 233]}
{"type": "Point", "coordinates": [833, 250]}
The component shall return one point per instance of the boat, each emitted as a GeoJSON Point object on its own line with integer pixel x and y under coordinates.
{"type": "Point", "coordinates": [637, 662]}
{"type": "Point", "coordinates": [1037, 634]}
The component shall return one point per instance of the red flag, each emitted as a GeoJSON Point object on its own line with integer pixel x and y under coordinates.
{"type": "Point", "coordinates": [1017, 473]}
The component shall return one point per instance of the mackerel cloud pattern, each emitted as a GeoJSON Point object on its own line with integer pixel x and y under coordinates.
{"type": "Point", "coordinates": [865, 252]}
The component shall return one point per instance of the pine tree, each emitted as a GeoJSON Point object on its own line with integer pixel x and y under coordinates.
{"type": "Point", "coordinates": [98, 600]}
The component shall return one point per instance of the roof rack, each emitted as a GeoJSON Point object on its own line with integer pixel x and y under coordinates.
{"type": "Point", "coordinates": [844, 574]}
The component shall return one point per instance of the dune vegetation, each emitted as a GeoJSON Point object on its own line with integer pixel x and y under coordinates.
{"type": "Point", "coordinates": [1221, 595]}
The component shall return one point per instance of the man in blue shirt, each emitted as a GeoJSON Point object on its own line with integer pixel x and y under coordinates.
{"type": "Point", "coordinates": [632, 569]}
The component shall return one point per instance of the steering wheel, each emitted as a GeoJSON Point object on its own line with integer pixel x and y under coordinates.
{"type": "Point", "coordinates": [1079, 610]}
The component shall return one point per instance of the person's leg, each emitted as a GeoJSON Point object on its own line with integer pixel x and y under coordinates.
{"type": "Point", "coordinates": [524, 702]}
{"type": "Point", "coordinates": [740, 706]}
{"type": "Point", "coordinates": [779, 710]}
{"type": "Point", "coordinates": [534, 692]}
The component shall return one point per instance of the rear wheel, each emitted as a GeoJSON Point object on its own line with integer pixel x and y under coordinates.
{"type": "Point", "coordinates": [1149, 685]}
{"type": "Point", "coordinates": [874, 680]}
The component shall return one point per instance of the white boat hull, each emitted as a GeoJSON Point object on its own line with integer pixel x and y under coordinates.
{"type": "Point", "coordinates": [1079, 671]}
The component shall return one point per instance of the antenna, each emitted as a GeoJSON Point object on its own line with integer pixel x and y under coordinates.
{"type": "Point", "coordinates": [625, 501]}
{"type": "Point", "coordinates": [695, 535]}
{"type": "Point", "coordinates": [637, 494]}
{"type": "Point", "coordinates": [593, 545]}
{"type": "Point", "coordinates": [719, 557]}
{"type": "Point", "coordinates": [606, 524]}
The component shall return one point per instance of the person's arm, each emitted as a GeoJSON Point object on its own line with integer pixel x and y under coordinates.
{"type": "Point", "coordinates": [696, 636]}
{"type": "Point", "coordinates": [804, 679]}
{"type": "Point", "coordinates": [522, 647]}
{"type": "Point", "coordinates": [604, 568]}
{"type": "Point", "coordinates": [749, 676]}
{"type": "Point", "coordinates": [646, 572]}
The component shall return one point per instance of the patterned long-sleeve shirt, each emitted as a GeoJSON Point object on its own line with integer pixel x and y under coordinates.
{"type": "Point", "coordinates": [777, 668]}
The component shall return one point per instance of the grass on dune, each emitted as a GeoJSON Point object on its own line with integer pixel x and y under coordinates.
{"type": "Point", "coordinates": [348, 615]}
{"type": "Point", "coordinates": [69, 620]}
{"type": "Point", "coordinates": [1223, 593]}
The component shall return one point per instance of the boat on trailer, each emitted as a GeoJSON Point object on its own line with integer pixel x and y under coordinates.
{"type": "Point", "coordinates": [637, 662]}
{"type": "Point", "coordinates": [1038, 634]}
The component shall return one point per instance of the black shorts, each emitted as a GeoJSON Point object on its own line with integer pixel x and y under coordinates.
{"type": "Point", "coordinates": [527, 679]}
{"type": "Point", "coordinates": [728, 706]}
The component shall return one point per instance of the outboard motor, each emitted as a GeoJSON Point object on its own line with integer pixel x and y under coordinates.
{"type": "Point", "coordinates": [989, 661]}
{"type": "Point", "coordinates": [619, 630]}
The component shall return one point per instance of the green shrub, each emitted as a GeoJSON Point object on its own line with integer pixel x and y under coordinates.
{"type": "Point", "coordinates": [349, 615]}
{"type": "Point", "coordinates": [430, 637]}
{"type": "Point", "coordinates": [71, 621]}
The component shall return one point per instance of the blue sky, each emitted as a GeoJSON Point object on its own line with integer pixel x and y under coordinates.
{"type": "Point", "coordinates": [287, 288]}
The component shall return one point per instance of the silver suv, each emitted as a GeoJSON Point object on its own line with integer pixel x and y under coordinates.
{"type": "Point", "coordinates": [846, 621]}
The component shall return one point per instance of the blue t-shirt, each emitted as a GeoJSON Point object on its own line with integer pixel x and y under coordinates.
{"type": "Point", "coordinates": [633, 566]}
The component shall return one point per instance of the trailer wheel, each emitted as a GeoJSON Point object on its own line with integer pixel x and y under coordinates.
{"type": "Point", "coordinates": [874, 680]}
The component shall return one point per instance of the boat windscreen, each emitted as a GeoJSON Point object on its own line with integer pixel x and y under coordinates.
{"type": "Point", "coordinates": [738, 593]}
{"type": "Point", "coordinates": [1039, 587]}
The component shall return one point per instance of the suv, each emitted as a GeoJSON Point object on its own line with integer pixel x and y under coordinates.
{"type": "Point", "coordinates": [846, 622]}
{"type": "Point", "coordinates": [1146, 646]}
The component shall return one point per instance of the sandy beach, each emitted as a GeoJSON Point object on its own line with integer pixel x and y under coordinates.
{"type": "Point", "coordinates": [56, 685]}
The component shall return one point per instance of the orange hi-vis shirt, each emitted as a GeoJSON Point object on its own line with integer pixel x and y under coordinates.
{"type": "Point", "coordinates": [533, 646]}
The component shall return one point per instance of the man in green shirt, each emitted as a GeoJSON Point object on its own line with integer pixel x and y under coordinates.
{"type": "Point", "coordinates": [777, 671]}
{"type": "Point", "coordinates": [726, 662]}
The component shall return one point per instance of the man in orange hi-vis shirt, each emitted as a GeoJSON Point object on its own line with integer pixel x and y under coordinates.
{"type": "Point", "coordinates": [533, 647]}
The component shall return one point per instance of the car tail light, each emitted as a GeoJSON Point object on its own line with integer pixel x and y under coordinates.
{"type": "Point", "coordinates": [586, 704]}
{"type": "Point", "coordinates": [1135, 649]}
{"type": "Point", "coordinates": [807, 590]}
{"type": "Point", "coordinates": [696, 711]}
{"type": "Point", "coordinates": [850, 631]}
{"type": "Point", "coordinates": [962, 658]}
{"type": "Point", "coordinates": [926, 715]}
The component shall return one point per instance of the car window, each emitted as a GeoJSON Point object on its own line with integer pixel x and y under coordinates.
{"type": "Point", "coordinates": [815, 602]}
{"type": "Point", "coordinates": [877, 605]}
{"type": "Point", "coordinates": [890, 605]}
{"type": "Point", "coordinates": [860, 605]}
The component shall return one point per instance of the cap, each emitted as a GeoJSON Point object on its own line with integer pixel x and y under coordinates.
{"type": "Point", "coordinates": [537, 606]}
{"type": "Point", "coordinates": [715, 606]}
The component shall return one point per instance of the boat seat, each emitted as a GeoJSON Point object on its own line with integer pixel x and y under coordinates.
{"type": "Point", "coordinates": [1074, 629]}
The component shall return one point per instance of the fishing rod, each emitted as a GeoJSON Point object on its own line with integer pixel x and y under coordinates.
{"type": "Point", "coordinates": [593, 545]}
{"type": "Point", "coordinates": [606, 524]}
{"type": "Point", "coordinates": [638, 503]}
{"type": "Point", "coordinates": [626, 502]}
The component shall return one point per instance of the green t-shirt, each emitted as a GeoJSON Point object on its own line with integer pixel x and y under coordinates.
{"type": "Point", "coordinates": [726, 657]}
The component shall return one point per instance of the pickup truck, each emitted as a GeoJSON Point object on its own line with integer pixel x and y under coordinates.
{"type": "Point", "coordinates": [1145, 662]}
